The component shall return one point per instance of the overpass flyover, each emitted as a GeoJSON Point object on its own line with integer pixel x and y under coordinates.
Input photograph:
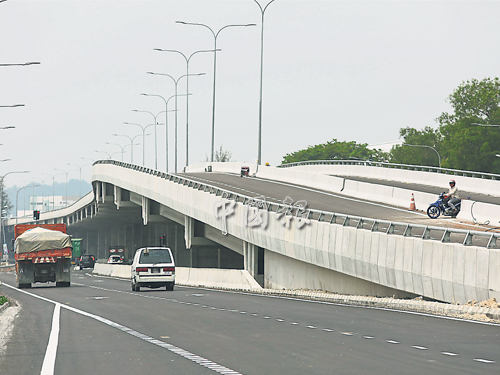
{"type": "Point", "coordinates": [219, 220]}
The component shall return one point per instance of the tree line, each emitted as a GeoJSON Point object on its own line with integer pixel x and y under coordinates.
{"type": "Point", "coordinates": [464, 139]}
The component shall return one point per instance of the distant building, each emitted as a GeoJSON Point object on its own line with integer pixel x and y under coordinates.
{"type": "Point", "coordinates": [47, 203]}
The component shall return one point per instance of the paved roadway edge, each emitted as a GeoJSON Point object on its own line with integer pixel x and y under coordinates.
{"type": "Point", "coordinates": [462, 312]}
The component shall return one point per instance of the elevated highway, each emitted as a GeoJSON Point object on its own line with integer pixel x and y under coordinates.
{"type": "Point", "coordinates": [336, 243]}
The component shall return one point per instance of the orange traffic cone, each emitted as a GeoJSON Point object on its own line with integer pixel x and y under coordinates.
{"type": "Point", "coordinates": [412, 203]}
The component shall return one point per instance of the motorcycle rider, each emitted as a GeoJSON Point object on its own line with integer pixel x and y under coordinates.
{"type": "Point", "coordinates": [453, 196]}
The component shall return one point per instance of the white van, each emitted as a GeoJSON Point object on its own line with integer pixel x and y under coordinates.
{"type": "Point", "coordinates": [153, 267]}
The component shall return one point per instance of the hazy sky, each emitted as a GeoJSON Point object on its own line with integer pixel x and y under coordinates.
{"type": "Point", "coordinates": [351, 70]}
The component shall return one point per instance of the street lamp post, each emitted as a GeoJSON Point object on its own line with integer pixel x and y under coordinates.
{"type": "Point", "coordinates": [119, 145]}
{"type": "Point", "coordinates": [166, 121]}
{"type": "Point", "coordinates": [80, 168]}
{"type": "Point", "coordinates": [12, 106]}
{"type": "Point", "coordinates": [156, 123]}
{"type": "Point", "coordinates": [131, 144]}
{"type": "Point", "coordinates": [176, 81]}
{"type": "Point", "coordinates": [24, 204]}
{"type": "Point", "coordinates": [259, 146]}
{"type": "Point", "coordinates": [53, 197]}
{"type": "Point", "coordinates": [2, 234]}
{"type": "Point", "coordinates": [215, 35]}
{"type": "Point", "coordinates": [439, 156]}
{"type": "Point", "coordinates": [474, 123]}
{"type": "Point", "coordinates": [22, 64]}
{"type": "Point", "coordinates": [143, 137]}
{"type": "Point", "coordinates": [109, 155]}
{"type": "Point", "coordinates": [187, 90]}
{"type": "Point", "coordinates": [66, 173]}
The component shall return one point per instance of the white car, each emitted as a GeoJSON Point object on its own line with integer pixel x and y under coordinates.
{"type": "Point", "coordinates": [115, 259]}
{"type": "Point", "coordinates": [153, 267]}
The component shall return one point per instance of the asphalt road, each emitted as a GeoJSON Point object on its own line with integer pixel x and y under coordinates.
{"type": "Point", "coordinates": [200, 331]}
{"type": "Point", "coordinates": [276, 192]}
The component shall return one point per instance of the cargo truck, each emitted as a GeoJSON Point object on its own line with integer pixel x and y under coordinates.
{"type": "Point", "coordinates": [43, 254]}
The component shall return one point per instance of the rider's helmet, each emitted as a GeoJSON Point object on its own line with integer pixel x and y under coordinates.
{"type": "Point", "coordinates": [452, 183]}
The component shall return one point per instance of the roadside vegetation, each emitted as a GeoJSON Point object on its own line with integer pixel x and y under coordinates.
{"type": "Point", "coordinates": [458, 139]}
{"type": "Point", "coordinates": [3, 300]}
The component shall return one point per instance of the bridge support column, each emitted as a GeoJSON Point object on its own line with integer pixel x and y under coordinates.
{"type": "Point", "coordinates": [145, 210]}
{"type": "Point", "coordinates": [118, 197]}
{"type": "Point", "coordinates": [188, 231]}
{"type": "Point", "coordinates": [250, 258]}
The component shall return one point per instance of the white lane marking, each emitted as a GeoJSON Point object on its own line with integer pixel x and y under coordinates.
{"type": "Point", "coordinates": [449, 353]}
{"type": "Point", "coordinates": [280, 320]}
{"type": "Point", "coordinates": [419, 347]}
{"type": "Point", "coordinates": [294, 323]}
{"type": "Point", "coordinates": [484, 360]}
{"type": "Point", "coordinates": [49, 360]}
{"type": "Point", "coordinates": [311, 327]}
{"type": "Point", "coordinates": [328, 330]}
{"type": "Point", "coordinates": [347, 333]}
{"type": "Point", "coordinates": [368, 337]}
{"type": "Point", "coordinates": [183, 353]}
{"type": "Point", "coordinates": [392, 341]}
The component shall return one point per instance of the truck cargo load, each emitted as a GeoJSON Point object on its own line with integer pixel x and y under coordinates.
{"type": "Point", "coordinates": [43, 254]}
{"type": "Point", "coordinates": [39, 239]}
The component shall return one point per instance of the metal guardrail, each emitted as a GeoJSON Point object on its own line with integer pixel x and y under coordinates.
{"type": "Point", "coordinates": [422, 168]}
{"type": "Point", "coordinates": [465, 237]}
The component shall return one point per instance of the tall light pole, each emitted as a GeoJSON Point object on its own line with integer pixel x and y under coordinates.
{"type": "Point", "coordinates": [131, 144]}
{"type": "Point", "coordinates": [259, 141]}
{"type": "Point", "coordinates": [187, 90]}
{"type": "Point", "coordinates": [53, 197]}
{"type": "Point", "coordinates": [156, 123]}
{"type": "Point", "coordinates": [2, 234]}
{"type": "Point", "coordinates": [17, 195]}
{"type": "Point", "coordinates": [109, 155]}
{"type": "Point", "coordinates": [166, 121]}
{"type": "Point", "coordinates": [215, 35]}
{"type": "Point", "coordinates": [66, 173]}
{"type": "Point", "coordinates": [143, 137]}
{"type": "Point", "coordinates": [22, 64]}
{"type": "Point", "coordinates": [439, 156]}
{"type": "Point", "coordinates": [496, 126]}
{"type": "Point", "coordinates": [12, 106]}
{"type": "Point", "coordinates": [176, 81]}
{"type": "Point", "coordinates": [80, 168]}
{"type": "Point", "coordinates": [119, 145]}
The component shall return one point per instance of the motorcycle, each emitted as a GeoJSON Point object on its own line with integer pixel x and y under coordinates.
{"type": "Point", "coordinates": [438, 208]}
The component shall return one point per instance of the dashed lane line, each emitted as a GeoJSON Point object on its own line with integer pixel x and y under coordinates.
{"type": "Point", "coordinates": [389, 341]}
{"type": "Point", "coordinates": [174, 349]}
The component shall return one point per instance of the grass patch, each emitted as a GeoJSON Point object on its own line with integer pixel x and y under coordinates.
{"type": "Point", "coordinates": [3, 300]}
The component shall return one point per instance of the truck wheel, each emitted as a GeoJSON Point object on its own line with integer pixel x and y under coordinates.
{"type": "Point", "coordinates": [137, 288]}
{"type": "Point", "coordinates": [170, 286]}
{"type": "Point", "coordinates": [133, 288]}
{"type": "Point", "coordinates": [63, 284]}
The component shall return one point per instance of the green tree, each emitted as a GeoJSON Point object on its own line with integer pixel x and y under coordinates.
{"type": "Point", "coordinates": [221, 155]}
{"type": "Point", "coordinates": [6, 203]}
{"type": "Point", "coordinates": [412, 151]}
{"type": "Point", "coordinates": [467, 146]}
{"type": "Point", "coordinates": [460, 144]}
{"type": "Point", "coordinates": [336, 150]}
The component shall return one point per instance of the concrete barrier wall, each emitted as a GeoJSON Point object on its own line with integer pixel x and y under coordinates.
{"type": "Point", "coordinates": [312, 176]}
{"type": "Point", "coordinates": [449, 272]}
{"type": "Point", "coordinates": [476, 185]}
{"type": "Point", "coordinates": [200, 277]}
